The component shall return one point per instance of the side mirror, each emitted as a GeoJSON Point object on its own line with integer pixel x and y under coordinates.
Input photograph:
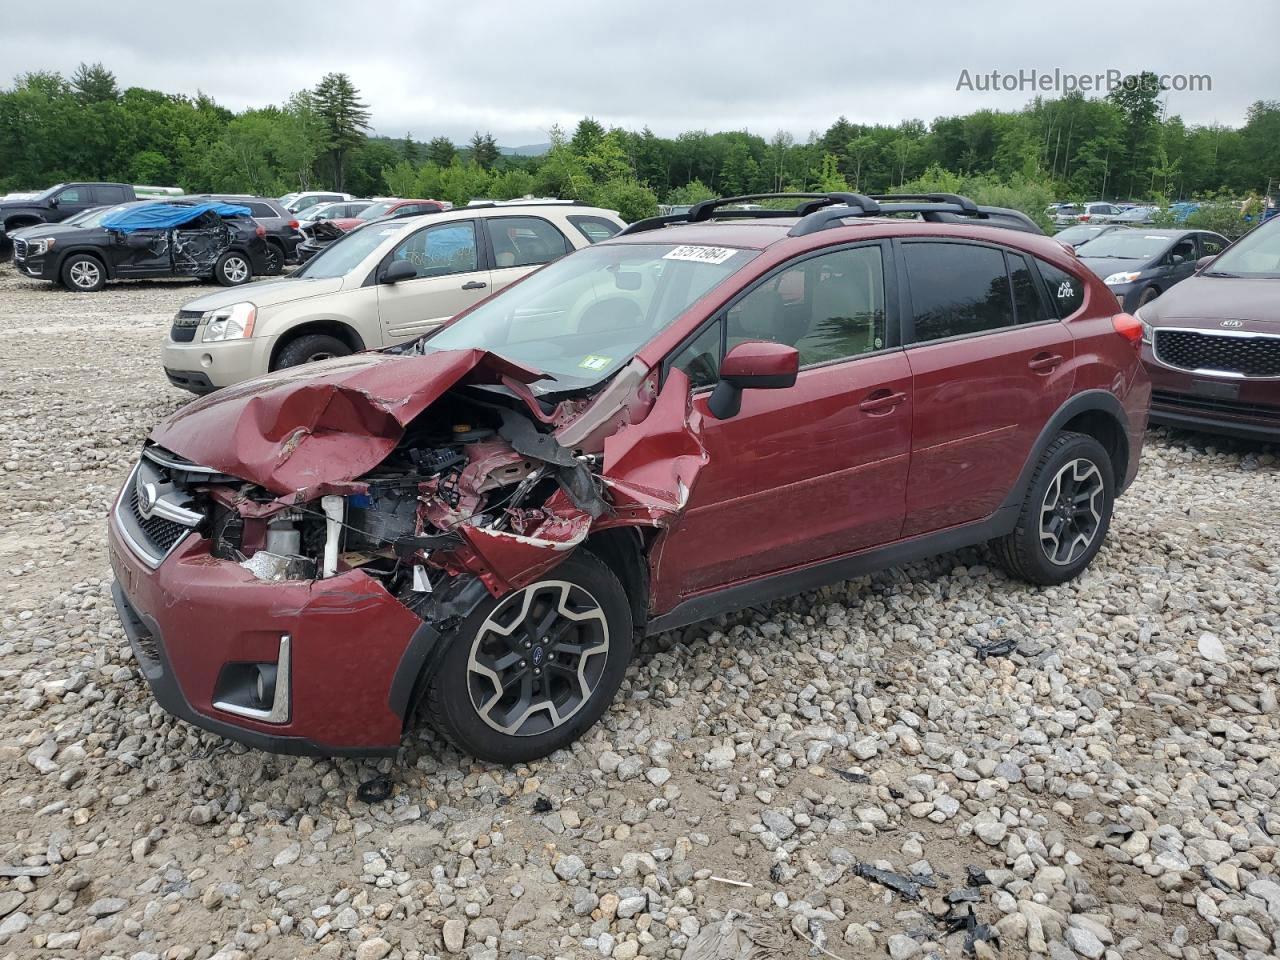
{"type": "Point", "coordinates": [53, 201]}
{"type": "Point", "coordinates": [399, 271]}
{"type": "Point", "coordinates": [1203, 262]}
{"type": "Point", "coordinates": [1177, 258]}
{"type": "Point", "coordinates": [753, 365]}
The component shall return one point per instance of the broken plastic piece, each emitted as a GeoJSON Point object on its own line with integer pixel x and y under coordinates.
{"type": "Point", "coordinates": [541, 805]}
{"type": "Point", "coordinates": [955, 922]}
{"type": "Point", "coordinates": [333, 508]}
{"type": "Point", "coordinates": [976, 876]}
{"type": "Point", "coordinates": [907, 885]}
{"type": "Point", "coordinates": [852, 776]}
{"type": "Point", "coordinates": [420, 582]}
{"type": "Point", "coordinates": [274, 567]}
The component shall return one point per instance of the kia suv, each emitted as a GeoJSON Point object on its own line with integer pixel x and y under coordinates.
{"type": "Point", "coordinates": [708, 411]}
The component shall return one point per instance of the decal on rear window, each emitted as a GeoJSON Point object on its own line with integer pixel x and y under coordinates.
{"type": "Point", "coordinates": [701, 254]}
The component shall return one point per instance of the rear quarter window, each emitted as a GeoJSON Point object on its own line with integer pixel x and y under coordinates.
{"type": "Point", "coordinates": [595, 229]}
{"type": "Point", "coordinates": [1066, 292]}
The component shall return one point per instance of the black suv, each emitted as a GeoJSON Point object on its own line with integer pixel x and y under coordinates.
{"type": "Point", "coordinates": [209, 243]}
{"type": "Point", "coordinates": [283, 233]}
{"type": "Point", "coordinates": [59, 202]}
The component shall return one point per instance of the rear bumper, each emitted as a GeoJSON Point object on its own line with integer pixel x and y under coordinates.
{"type": "Point", "coordinates": [193, 616]}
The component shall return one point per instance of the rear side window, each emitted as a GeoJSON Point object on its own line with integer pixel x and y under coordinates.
{"type": "Point", "coordinates": [525, 241]}
{"type": "Point", "coordinates": [1210, 244]}
{"type": "Point", "coordinates": [1027, 300]}
{"type": "Point", "coordinates": [595, 229]}
{"type": "Point", "coordinates": [259, 209]}
{"type": "Point", "coordinates": [957, 289]}
{"type": "Point", "coordinates": [1065, 291]}
{"type": "Point", "coordinates": [105, 193]}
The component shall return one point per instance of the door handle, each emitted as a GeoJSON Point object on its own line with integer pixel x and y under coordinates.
{"type": "Point", "coordinates": [881, 401]}
{"type": "Point", "coordinates": [1044, 362]}
{"type": "Point", "coordinates": [474, 285]}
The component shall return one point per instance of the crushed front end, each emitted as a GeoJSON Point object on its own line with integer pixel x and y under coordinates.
{"type": "Point", "coordinates": [297, 610]}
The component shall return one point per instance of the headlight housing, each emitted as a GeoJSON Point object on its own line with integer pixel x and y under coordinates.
{"type": "Point", "coordinates": [1117, 278]}
{"type": "Point", "coordinates": [229, 323]}
{"type": "Point", "coordinates": [1148, 332]}
{"type": "Point", "coordinates": [38, 248]}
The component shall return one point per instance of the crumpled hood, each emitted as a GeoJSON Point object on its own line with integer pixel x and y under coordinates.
{"type": "Point", "coordinates": [321, 423]}
{"type": "Point", "coordinates": [266, 293]}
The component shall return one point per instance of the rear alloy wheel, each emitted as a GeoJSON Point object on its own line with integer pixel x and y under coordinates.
{"type": "Point", "coordinates": [83, 273]}
{"type": "Point", "coordinates": [527, 674]}
{"type": "Point", "coordinates": [1065, 514]}
{"type": "Point", "coordinates": [275, 259]}
{"type": "Point", "coordinates": [232, 269]}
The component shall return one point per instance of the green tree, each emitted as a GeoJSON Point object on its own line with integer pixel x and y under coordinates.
{"type": "Point", "coordinates": [695, 191]}
{"type": "Point", "coordinates": [94, 83]}
{"type": "Point", "coordinates": [410, 149]}
{"type": "Point", "coordinates": [484, 150]}
{"type": "Point", "coordinates": [441, 151]}
{"type": "Point", "coordinates": [345, 120]}
{"type": "Point", "coordinates": [588, 134]}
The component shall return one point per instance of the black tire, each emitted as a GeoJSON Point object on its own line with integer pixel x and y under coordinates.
{"type": "Point", "coordinates": [275, 259]}
{"type": "Point", "coordinates": [450, 700]}
{"type": "Point", "coordinates": [310, 348]}
{"type": "Point", "coordinates": [1148, 295]}
{"type": "Point", "coordinates": [233, 269]}
{"type": "Point", "coordinates": [1057, 529]}
{"type": "Point", "coordinates": [83, 273]}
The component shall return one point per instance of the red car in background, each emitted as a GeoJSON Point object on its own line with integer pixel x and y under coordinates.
{"type": "Point", "coordinates": [323, 232]}
{"type": "Point", "coordinates": [708, 411]}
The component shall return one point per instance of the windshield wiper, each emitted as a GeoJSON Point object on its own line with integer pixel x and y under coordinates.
{"type": "Point", "coordinates": [1221, 273]}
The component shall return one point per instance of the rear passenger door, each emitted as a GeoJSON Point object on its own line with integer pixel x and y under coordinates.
{"type": "Point", "coordinates": [520, 244]}
{"type": "Point", "coordinates": [989, 363]}
{"type": "Point", "coordinates": [813, 471]}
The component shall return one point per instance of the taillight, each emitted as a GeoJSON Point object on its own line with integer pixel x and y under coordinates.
{"type": "Point", "coordinates": [1084, 217]}
{"type": "Point", "coordinates": [1129, 327]}
{"type": "Point", "coordinates": [261, 231]}
{"type": "Point", "coordinates": [293, 224]}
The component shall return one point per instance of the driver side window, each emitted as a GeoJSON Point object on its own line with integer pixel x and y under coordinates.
{"type": "Point", "coordinates": [440, 250]}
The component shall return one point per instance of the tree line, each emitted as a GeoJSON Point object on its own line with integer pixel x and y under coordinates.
{"type": "Point", "coordinates": [1121, 146]}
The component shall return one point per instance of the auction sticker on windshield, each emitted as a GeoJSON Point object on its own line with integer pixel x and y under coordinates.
{"type": "Point", "coordinates": [596, 363]}
{"type": "Point", "coordinates": [701, 254]}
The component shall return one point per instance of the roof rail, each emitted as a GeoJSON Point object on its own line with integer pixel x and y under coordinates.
{"type": "Point", "coordinates": [488, 204]}
{"type": "Point", "coordinates": [931, 207]}
{"type": "Point", "coordinates": [855, 204]}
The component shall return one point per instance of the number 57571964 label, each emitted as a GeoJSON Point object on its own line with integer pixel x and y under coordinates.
{"type": "Point", "coordinates": [701, 254]}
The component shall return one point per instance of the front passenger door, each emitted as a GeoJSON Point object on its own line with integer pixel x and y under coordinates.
{"type": "Point", "coordinates": [449, 280]}
{"type": "Point", "coordinates": [813, 471]}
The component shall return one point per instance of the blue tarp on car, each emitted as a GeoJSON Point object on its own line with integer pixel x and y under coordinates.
{"type": "Point", "coordinates": [164, 216]}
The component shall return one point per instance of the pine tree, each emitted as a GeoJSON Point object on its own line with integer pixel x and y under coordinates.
{"type": "Point", "coordinates": [410, 150]}
{"type": "Point", "coordinates": [94, 83]}
{"type": "Point", "coordinates": [344, 119]}
{"type": "Point", "coordinates": [441, 151]}
{"type": "Point", "coordinates": [484, 150]}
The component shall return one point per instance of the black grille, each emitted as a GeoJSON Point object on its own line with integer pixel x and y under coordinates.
{"type": "Point", "coordinates": [1249, 356]}
{"type": "Point", "coordinates": [185, 325]}
{"type": "Point", "coordinates": [1182, 401]}
{"type": "Point", "coordinates": [161, 534]}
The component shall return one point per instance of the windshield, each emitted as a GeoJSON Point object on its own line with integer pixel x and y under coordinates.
{"type": "Point", "coordinates": [318, 212]}
{"type": "Point", "coordinates": [583, 317]}
{"type": "Point", "coordinates": [1128, 245]}
{"type": "Point", "coordinates": [340, 257]}
{"type": "Point", "coordinates": [375, 210]}
{"type": "Point", "coordinates": [1256, 255]}
{"type": "Point", "coordinates": [46, 194]}
{"type": "Point", "coordinates": [1079, 235]}
{"type": "Point", "coordinates": [306, 203]}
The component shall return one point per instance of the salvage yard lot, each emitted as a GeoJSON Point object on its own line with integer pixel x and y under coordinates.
{"type": "Point", "coordinates": [1115, 776]}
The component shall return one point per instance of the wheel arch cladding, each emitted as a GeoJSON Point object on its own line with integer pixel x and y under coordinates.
{"type": "Point", "coordinates": [1087, 412]}
{"type": "Point", "coordinates": [330, 328]}
{"type": "Point", "coordinates": [624, 551]}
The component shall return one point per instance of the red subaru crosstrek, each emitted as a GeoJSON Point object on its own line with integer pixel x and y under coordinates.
{"type": "Point", "coordinates": [710, 410]}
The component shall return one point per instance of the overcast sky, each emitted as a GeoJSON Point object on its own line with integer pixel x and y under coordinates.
{"type": "Point", "coordinates": [515, 69]}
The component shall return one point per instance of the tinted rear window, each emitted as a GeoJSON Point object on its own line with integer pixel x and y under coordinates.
{"type": "Point", "coordinates": [957, 289]}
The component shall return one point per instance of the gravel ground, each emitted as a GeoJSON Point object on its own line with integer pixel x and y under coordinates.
{"type": "Point", "coordinates": [1114, 777]}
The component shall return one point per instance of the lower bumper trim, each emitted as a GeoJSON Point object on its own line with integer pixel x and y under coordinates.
{"type": "Point", "coordinates": [148, 648]}
{"type": "Point", "coordinates": [1207, 423]}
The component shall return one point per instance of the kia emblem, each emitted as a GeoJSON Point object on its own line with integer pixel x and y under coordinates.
{"type": "Point", "coordinates": [1233, 323]}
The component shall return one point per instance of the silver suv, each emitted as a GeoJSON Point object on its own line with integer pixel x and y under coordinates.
{"type": "Point", "coordinates": [383, 283]}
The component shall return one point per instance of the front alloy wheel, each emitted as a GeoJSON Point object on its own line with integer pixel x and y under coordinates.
{"type": "Point", "coordinates": [528, 673]}
{"type": "Point", "coordinates": [537, 658]}
{"type": "Point", "coordinates": [235, 270]}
